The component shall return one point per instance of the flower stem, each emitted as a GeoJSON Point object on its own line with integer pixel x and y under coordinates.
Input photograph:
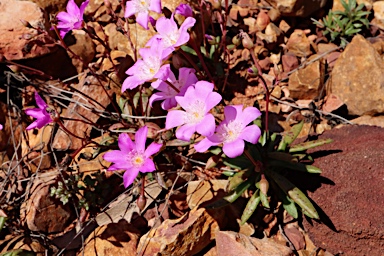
{"type": "Point", "coordinates": [173, 87]}
{"type": "Point", "coordinates": [265, 87]}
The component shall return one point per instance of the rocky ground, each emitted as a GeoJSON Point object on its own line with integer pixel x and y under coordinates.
{"type": "Point", "coordinates": [338, 92]}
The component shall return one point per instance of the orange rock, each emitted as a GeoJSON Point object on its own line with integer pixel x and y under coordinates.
{"type": "Point", "coordinates": [187, 235]}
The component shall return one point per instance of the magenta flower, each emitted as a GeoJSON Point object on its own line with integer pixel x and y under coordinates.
{"type": "Point", "coordinates": [197, 102]}
{"type": "Point", "coordinates": [233, 131]}
{"type": "Point", "coordinates": [184, 9]}
{"type": "Point", "coordinates": [132, 156]}
{"type": "Point", "coordinates": [170, 34]}
{"type": "Point", "coordinates": [150, 67]}
{"type": "Point", "coordinates": [1, 127]}
{"type": "Point", "coordinates": [187, 78]}
{"type": "Point", "coordinates": [142, 8]}
{"type": "Point", "coordinates": [72, 19]}
{"type": "Point", "coordinates": [41, 114]}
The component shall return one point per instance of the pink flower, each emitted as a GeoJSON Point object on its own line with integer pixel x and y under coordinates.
{"type": "Point", "coordinates": [233, 131]}
{"type": "Point", "coordinates": [187, 78]}
{"type": "Point", "coordinates": [132, 156]}
{"type": "Point", "coordinates": [184, 9]}
{"type": "Point", "coordinates": [42, 116]}
{"type": "Point", "coordinates": [142, 8]}
{"type": "Point", "coordinates": [150, 67]}
{"type": "Point", "coordinates": [170, 34]}
{"type": "Point", "coordinates": [197, 102]}
{"type": "Point", "coordinates": [1, 127]}
{"type": "Point", "coordinates": [72, 19]}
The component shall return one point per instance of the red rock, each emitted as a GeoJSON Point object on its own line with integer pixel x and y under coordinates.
{"type": "Point", "coordinates": [43, 213]}
{"type": "Point", "coordinates": [229, 243]}
{"type": "Point", "coordinates": [351, 192]}
{"type": "Point", "coordinates": [16, 40]}
{"type": "Point", "coordinates": [299, 44]}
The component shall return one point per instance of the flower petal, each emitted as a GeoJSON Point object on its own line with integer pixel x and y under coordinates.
{"type": "Point", "coordinates": [148, 166]}
{"type": "Point", "coordinates": [251, 134]}
{"type": "Point", "coordinates": [204, 145]}
{"type": "Point", "coordinates": [141, 138]}
{"type": "Point", "coordinates": [185, 132]}
{"type": "Point", "coordinates": [73, 9]}
{"type": "Point", "coordinates": [40, 102]}
{"type": "Point", "coordinates": [184, 35]}
{"type": "Point", "coordinates": [142, 19]}
{"type": "Point", "coordinates": [131, 82]}
{"type": "Point", "coordinates": [64, 17]}
{"type": "Point", "coordinates": [152, 149]}
{"type": "Point", "coordinates": [207, 126]}
{"type": "Point", "coordinates": [130, 9]}
{"type": "Point", "coordinates": [155, 6]}
{"type": "Point", "coordinates": [41, 122]}
{"type": "Point", "coordinates": [82, 8]}
{"type": "Point", "coordinates": [125, 143]}
{"type": "Point", "coordinates": [234, 148]}
{"type": "Point", "coordinates": [129, 176]}
{"type": "Point", "coordinates": [231, 112]}
{"type": "Point", "coordinates": [35, 112]}
{"type": "Point", "coordinates": [163, 72]}
{"type": "Point", "coordinates": [212, 100]}
{"type": "Point", "coordinates": [174, 118]}
{"type": "Point", "coordinates": [32, 126]}
{"type": "Point", "coordinates": [249, 114]}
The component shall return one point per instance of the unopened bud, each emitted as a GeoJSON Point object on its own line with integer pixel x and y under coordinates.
{"type": "Point", "coordinates": [236, 40]}
{"type": "Point", "coordinates": [216, 4]}
{"type": "Point", "coordinates": [264, 185]}
{"type": "Point", "coordinates": [253, 71]}
{"type": "Point", "coordinates": [26, 23]}
{"type": "Point", "coordinates": [211, 39]}
{"type": "Point", "coordinates": [152, 130]}
{"type": "Point", "coordinates": [107, 3]}
{"type": "Point", "coordinates": [141, 202]}
{"type": "Point", "coordinates": [246, 41]}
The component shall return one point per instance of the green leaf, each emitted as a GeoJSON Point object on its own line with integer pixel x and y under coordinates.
{"type": "Point", "coordinates": [294, 166]}
{"type": "Point", "coordinates": [309, 144]}
{"type": "Point", "coordinates": [352, 31]}
{"type": "Point", "coordinates": [2, 222]}
{"type": "Point", "coordinates": [345, 5]}
{"type": "Point", "coordinates": [251, 206]}
{"type": "Point", "coordinates": [232, 197]}
{"type": "Point", "coordinates": [237, 179]}
{"type": "Point", "coordinates": [289, 137]}
{"type": "Point", "coordinates": [18, 252]}
{"type": "Point", "coordinates": [359, 8]}
{"type": "Point", "coordinates": [188, 49]}
{"type": "Point", "coordinates": [295, 194]}
{"type": "Point", "coordinates": [264, 200]}
{"type": "Point", "coordinates": [240, 162]}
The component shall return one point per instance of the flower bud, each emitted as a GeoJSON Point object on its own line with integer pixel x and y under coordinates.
{"type": "Point", "coordinates": [253, 71]}
{"type": "Point", "coordinates": [152, 130]}
{"type": "Point", "coordinates": [264, 185]}
{"type": "Point", "coordinates": [211, 39]}
{"type": "Point", "coordinates": [236, 40]}
{"type": "Point", "coordinates": [246, 41]}
{"type": "Point", "coordinates": [141, 202]}
{"type": "Point", "coordinates": [26, 23]}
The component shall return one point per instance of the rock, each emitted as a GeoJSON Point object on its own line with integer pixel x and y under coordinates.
{"type": "Point", "coordinates": [187, 235]}
{"type": "Point", "coordinates": [350, 191]}
{"type": "Point", "coordinates": [204, 191]}
{"type": "Point", "coordinates": [307, 83]}
{"type": "Point", "coordinates": [358, 73]}
{"type": "Point", "coordinates": [16, 40]}
{"type": "Point", "coordinates": [299, 44]}
{"type": "Point", "coordinates": [229, 243]}
{"type": "Point", "coordinates": [378, 9]}
{"type": "Point", "coordinates": [53, 6]}
{"type": "Point", "coordinates": [337, 6]}
{"type": "Point", "coordinates": [82, 46]}
{"type": "Point", "coordinates": [332, 103]}
{"type": "Point", "coordinates": [297, 8]}
{"type": "Point", "coordinates": [88, 85]}
{"type": "Point", "coordinates": [35, 149]}
{"type": "Point", "coordinates": [271, 35]}
{"type": "Point", "coordinates": [113, 239]}
{"type": "Point", "coordinates": [290, 62]}
{"type": "Point", "coordinates": [43, 213]}
{"type": "Point", "coordinates": [369, 120]}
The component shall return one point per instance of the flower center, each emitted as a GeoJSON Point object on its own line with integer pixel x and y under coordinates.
{"type": "Point", "coordinates": [135, 158]}
{"type": "Point", "coordinates": [171, 38]}
{"type": "Point", "coordinates": [141, 5]}
{"type": "Point", "coordinates": [195, 112]}
{"type": "Point", "coordinates": [232, 131]}
{"type": "Point", "coordinates": [149, 68]}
